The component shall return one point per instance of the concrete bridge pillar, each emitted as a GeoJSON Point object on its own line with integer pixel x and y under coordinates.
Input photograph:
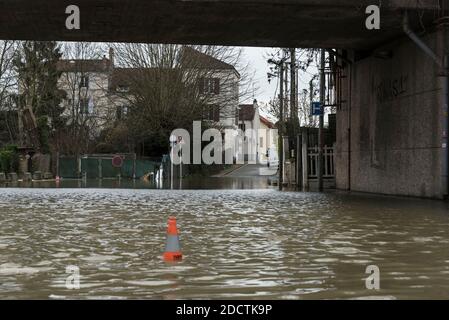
{"type": "Point", "coordinates": [393, 123]}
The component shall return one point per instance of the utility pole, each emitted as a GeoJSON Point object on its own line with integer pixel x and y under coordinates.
{"type": "Point", "coordinates": [281, 67]}
{"type": "Point", "coordinates": [293, 99]}
{"type": "Point", "coordinates": [321, 123]}
{"type": "Point", "coordinates": [294, 118]}
{"type": "Point", "coordinates": [281, 127]}
{"type": "Point", "coordinates": [286, 98]}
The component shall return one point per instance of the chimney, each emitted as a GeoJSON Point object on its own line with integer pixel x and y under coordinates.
{"type": "Point", "coordinates": [255, 104]}
{"type": "Point", "coordinates": [111, 56]}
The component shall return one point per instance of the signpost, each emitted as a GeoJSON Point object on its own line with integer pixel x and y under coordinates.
{"type": "Point", "coordinates": [181, 143]}
{"type": "Point", "coordinates": [316, 109]}
{"type": "Point", "coordinates": [173, 140]}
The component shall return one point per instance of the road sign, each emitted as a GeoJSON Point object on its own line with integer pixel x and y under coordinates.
{"type": "Point", "coordinates": [117, 161]}
{"type": "Point", "coordinates": [316, 109]}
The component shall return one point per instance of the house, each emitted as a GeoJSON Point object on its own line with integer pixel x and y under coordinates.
{"type": "Point", "coordinates": [96, 89]}
{"type": "Point", "coordinates": [221, 84]}
{"type": "Point", "coordinates": [267, 139]}
{"type": "Point", "coordinates": [86, 86]}
{"type": "Point", "coordinates": [257, 133]}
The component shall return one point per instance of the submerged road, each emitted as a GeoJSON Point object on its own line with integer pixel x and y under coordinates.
{"type": "Point", "coordinates": [254, 244]}
{"type": "Point", "coordinates": [252, 170]}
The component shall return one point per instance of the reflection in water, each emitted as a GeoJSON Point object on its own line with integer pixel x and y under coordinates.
{"type": "Point", "coordinates": [193, 183]}
{"type": "Point", "coordinates": [257, 244]}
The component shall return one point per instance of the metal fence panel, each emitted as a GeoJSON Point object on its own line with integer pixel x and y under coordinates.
{"type": "Point", "coordinates": [128, 168]}
{"type": "Point", "coordinates": [68, 167]}
{"type": "Point", "coordinates": [108, 170]}
{"type": "Point", "coordinates": [101, 167]}
{"type": "Point", "coordinates": [90, 168]}
{"type": "Point", "coordinates": [144, 166]}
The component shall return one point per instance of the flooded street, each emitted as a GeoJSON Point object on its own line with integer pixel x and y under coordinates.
{"type": "Point", "coordinates": [252, 244]}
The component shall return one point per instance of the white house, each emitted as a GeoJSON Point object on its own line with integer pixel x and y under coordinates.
{"type": "Point", "coordinates": [86, 84]}
{"type": "Point", "coordinates": [258, 134]}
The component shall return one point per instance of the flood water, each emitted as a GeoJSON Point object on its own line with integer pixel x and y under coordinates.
{"type": "Point", "coordinates": [251, 244]}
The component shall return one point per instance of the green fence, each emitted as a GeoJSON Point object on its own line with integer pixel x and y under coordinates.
{"type": "Point", "coordinates": [101, 167]}
{"type": "Point", "coordinates": [68, 167]}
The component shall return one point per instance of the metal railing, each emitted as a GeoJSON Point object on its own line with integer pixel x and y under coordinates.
{"type": "Point", "coordinates": [328, 166]}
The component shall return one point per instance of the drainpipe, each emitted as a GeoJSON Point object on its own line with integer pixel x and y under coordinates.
{"type": "Point", "coordinates": [412, 35]}
{"type": "Point", "coordinates": [445, 119]}
{"type": "Point", "coordinates": [443, 63]}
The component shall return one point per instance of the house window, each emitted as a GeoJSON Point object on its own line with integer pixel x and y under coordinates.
{"type": "Point", "coordinates": [121, 112]}
{"type": "Point", "coordinates": [84, 106]}
{"type": "Point", "coordinates": [209, 86]}
{"type": "Point", "coordinates": [84, 82]}
{"type": "Point", "coordinates": [242, 127]}
{"type": "Point", "coordinates": [212, 113]}
{"type": "Point", "coordinates": [261, 142]}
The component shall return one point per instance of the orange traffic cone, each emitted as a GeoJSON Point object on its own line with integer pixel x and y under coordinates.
{"type": "Point", "coordinates": [172, 246]}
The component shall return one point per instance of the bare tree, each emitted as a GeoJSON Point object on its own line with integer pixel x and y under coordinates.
{"type": "Point", "coordinates": [8, 78]}
{"type": "Point", "coordinates": [8, 89]}
{"type": "Point", "coordinates": [82, 73]}
{"type": "Point", "coordinates": [169, 86]}
{"type": "Point", "coordinates": [308, 68]}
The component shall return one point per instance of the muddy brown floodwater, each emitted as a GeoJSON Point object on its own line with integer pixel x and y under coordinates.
{"type": "Point", "coordinates": [251, 244]}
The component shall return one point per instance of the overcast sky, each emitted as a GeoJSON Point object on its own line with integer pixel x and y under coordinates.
{"type": "Point", "coordinates": [257, 57]}
{"type": "Point", "coordinates": [259, 65]}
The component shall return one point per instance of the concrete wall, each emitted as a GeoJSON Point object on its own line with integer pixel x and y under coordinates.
{"type": "Point", "coordinates": [390, 125]}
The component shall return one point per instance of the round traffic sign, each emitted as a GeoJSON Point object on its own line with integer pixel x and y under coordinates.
{"type": "Point", "coordinates": [117, 161]}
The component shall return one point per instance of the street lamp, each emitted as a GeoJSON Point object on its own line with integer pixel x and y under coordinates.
{"type": "Point", "coordinates": [173, 140]}
{"type": "Point", "coordinates": [181, 143]}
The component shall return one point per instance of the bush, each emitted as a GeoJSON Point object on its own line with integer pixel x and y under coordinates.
{"type": "Point", "coordinates": [9, 159]}
{"type": "Point", "coordinates": [44, 133]}
{"type": "Point", "coordinates": [6, 161]}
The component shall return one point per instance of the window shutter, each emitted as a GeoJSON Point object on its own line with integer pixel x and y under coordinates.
{"type": "Point", "coordinates": [216, 113]}
{"type": "Point", "coordinates": [201, 85]}
{"type": "Point", "coordinates": [211, 113]}
{"type": "Point", "coordinates": [217, 86]}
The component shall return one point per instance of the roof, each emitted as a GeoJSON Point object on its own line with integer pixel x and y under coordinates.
{"type": "Point", "coordinates": [246, 112]}
{"type": "Point", "coordinates": [121, 77]}
{"type": "Point", "coordinates": [189, 56]}
{"type": "Point", "coordinates": [266, 122]}
{"type": "Point", "coordinates": [83, 65]}
{"type": "Point", "coordinates": [201, 60]}
{"type": "Point", "coordinates": [128, 77]}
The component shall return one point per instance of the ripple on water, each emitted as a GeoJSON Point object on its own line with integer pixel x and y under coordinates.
{"type": "Point", "coordinates": [246, 243]}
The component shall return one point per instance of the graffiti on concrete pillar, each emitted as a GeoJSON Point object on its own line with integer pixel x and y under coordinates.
{"type": "Point", "coordinates": [389, 89]}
